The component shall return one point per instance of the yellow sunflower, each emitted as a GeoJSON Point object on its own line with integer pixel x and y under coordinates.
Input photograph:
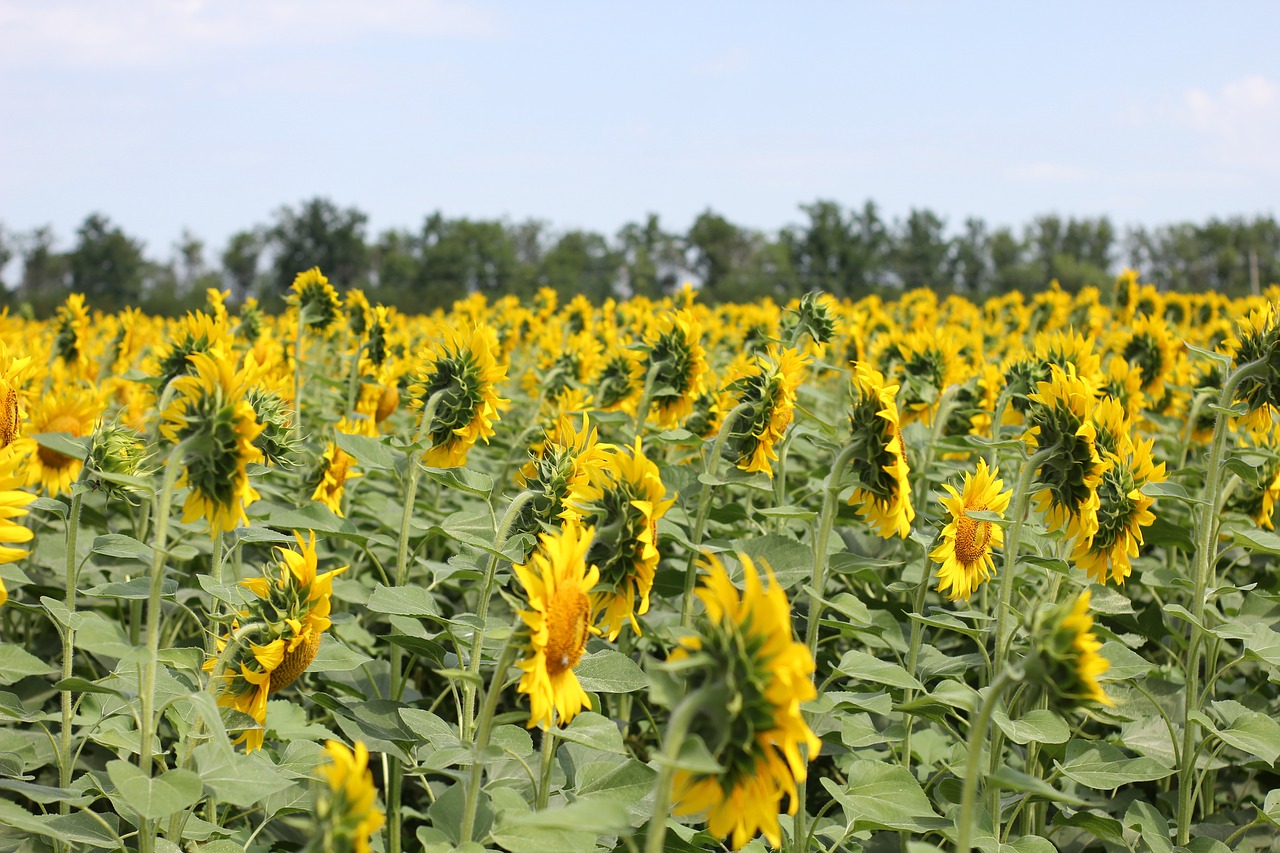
{"type": "Point", "coordinates": [317, 302]}
{"type": "Point", "coordinates": [769, 390]}
{"type": "Point", "coordinates": [557, 583]}
{"type": "Point", "coordinates": [1067, 658]}
{"type": "Point", "coordinates": [70, 333]}
{"type": "Point", "coordinates": [460, 368]}
{"type": "Point", "coordinates": [1059, 420]}
{"type": "Point", "coordinates": [967, 543]}
{"type": "Point", "coordinates": [674, 352]}
{"type": "Point", "coordinates": [346, 808]}
{"type": "Point", "coordinates": [883, 493]}
{"type": "Point", "coordinates": [71, 410]}
{"type": "Point", "coordinates": [14, 373]}
{"type": "Point", "coordinates": [13, 505]}
{"type": "Point", "coordinates": [1123, 510]}
{"type": "Point", "coordinates": [210, 409]}
{"type": "Point", "coordinates": [336, 467]}
{"type": "Point", "coordinates": [744, 647]}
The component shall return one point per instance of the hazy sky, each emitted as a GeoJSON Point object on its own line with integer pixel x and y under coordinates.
{"type": "Point", "coordinates": [210, 115]}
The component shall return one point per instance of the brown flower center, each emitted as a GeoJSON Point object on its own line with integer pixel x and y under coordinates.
{"type": "Point", "coordinates": [567, 628]}
{"type": "Point", "coordinates": [972, 537]}
{"type": "Point", "coordinates": [9, 417]}
{"type": "Point", "coordinates": [52, 458]}
{"type": "Point", "coordinates": [295, 663]}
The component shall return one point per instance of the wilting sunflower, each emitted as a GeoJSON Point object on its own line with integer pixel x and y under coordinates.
{"type": "Point", "coordinates": [769, 391]}
{"type": "Point", "coordinates": [557, 584]}
{"type": "Point", "coordinates": [347, 812]}
{"type": "Point", "coordinates": [675, 354]}
{"type": "Point", "coordinates": [462, 370]}
{"type": "Point", "coordinates": [292, 603]}
{"type": "Point", "coordinates": [623, 500]}
{"type": "Point", "coordinates": [1065, 662]}
{"type": "Point", "coordinates": [317, 302]}
{"type": "Point", "coordinates": [744, 649]}
{"type": "Point", "coordinates": [967, 543]}
{"type": "Point", "coordinates": [883, 494]}
{"type": "Point", "coordinates": [210, 410]}
{"type": "Point", "coordinates": [1059, 421]}
{"type": "Point", "coordinates": [70, 410]}
{"type": "Point", "coordinates": [13, 505]}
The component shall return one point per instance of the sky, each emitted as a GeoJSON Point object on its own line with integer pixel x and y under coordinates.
{"type": "Point", "coordinates": [210, 116]}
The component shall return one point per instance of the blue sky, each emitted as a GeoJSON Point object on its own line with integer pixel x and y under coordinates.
{"type": "Point", "coordinates": [210, 115]}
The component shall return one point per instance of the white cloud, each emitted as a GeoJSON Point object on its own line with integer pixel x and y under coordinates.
{"type": "Point", "coordinates": [142, 33]}
{"type": "Point", "coordinates": [1241, 121]}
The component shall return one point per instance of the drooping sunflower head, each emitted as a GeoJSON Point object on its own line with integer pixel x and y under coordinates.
{"type": "Point", "coordinates": [967, 543]}
{"type": "Point", "coordinates": [768, 390]}
{"type": "Point", "coordinates": [883, 493]}
{"type": "Point", "coordinates": [317, 302]}
{"type": "Point", "coordinates": [70, 331]}
{"type": "Point", "coordinates": [198, 332]}
{"type": "Point", "coordinates": [559, 474]}
{"type": "Point", "coordinates": [678, 363]}
{"type": "Point", "coordinates": [620, 379]}
{"type": "Point", "coordinates": [1257, 338]}
{"type": "Point", "coordinates": [925, 363]}
{"type": "Point", "coordinates": [1065, 663]}
{"type": "Point", "coordinates": [346, 810]}
{"type": "Point", "coordinates": [1059, 421]}
{"type": "Point", "coordinates": [557, 584]}
{"type": "Point", "coordinates": [1151, 348]}
{"type": "Point", "coordinates": [744, 654]}
{"type": "Point", "coordinates": [1123, 510]}
{"type": "Point", "coordinates": [461, 374]}
{"type": "Point", "coordinates": [72, 410]}
{"type": "Point", "coordinates": [623, 501]}
{"type": "Point", "coordinates": [117, 452]}
{"type": "Point", "coordinates": [211, 413]}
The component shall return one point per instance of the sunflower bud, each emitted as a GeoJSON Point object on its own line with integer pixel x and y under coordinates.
{"type": "Point", "coordinates": [1064, 662]}
{"type": "Point", "coordinates": [276, 442]}
{"type": "Point", "coordinates": [117, 450]}
{"type": "Point", "coordinates": [814, 316]}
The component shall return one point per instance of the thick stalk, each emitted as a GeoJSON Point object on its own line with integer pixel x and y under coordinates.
{"type": "Point", "coordinates": [68, 642]}
{"type": "Point", "coordinates": [677, 731]}
{"type": "Point", "coordinates": [298, 378]}
{"type": "Point", "coordinates": [1018, 516]}
{"type": "Point", "coordinates": [646, 400]}
{"type": "Point", "coordinates": [977, 735]}
{"type": "Point", "coordinates": [710, 464]}
{"type": "Point", "coordinates": [548, 761]}
{"type": "Point", "coordinates": [146, 837]}
{"type": "Point", "coordinates": [482, 610]}
{"type": "Point", "coordinates": [1206, 549]}
{"type": "Point", "coordinates": [482, 740]}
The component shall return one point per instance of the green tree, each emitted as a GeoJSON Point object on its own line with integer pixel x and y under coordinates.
{"type": "Point", "coordinates": [106, 265]}
{"type": "Point", "coordinates": [396, 265]}
{"type": "Point", "coordinates": [461, 256]}
{"type": "Point", "coordinates": [920, 251]}
{"type": "Point", "coordinates": [240, 262]}
{"type": "Point", "coordinates": [652, 259]}
{"type": "Point", "coordinates": [319, 234]}
{"type": "Point", "coordinates": [969, 266]}
{"type": "Point", "coordinates": [582, 262]}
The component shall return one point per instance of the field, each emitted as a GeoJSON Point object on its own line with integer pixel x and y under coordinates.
{"type": "Point", "coordinates": [912, 574]}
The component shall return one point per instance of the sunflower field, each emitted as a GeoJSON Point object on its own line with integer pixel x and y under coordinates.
{"type": "Point", "coordinates": [916, 575]}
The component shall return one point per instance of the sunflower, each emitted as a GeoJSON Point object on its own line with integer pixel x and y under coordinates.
{"type": "Point", "coordinates": [769, 392]}
{"type": "Point", "coordinates": [69, 410]}
{"type": "Point", "coordinates": [13, 505]}
{"type": "Point", "coordinates": [116, 451]}
{"type": "Point", "coordinates": [623, 500]}
{"type": "Point", "coordinates": [1123, 509]}
{"type": "Point", "coordinates": [744, 650]}
{"type": "Point", "coordinates": [335, 468]}
{"type": "Point", "coordinates": [883, 493]}
{"type": "Point", "coordinates": [1257, 338]}
{"type": "Point", "coordinates": [967, 543]}
{"type": "Point", "coordinates": [557, 583]}
{"type": "Point", "coordinates": [1069, 348]}
{"type": "Point", "coordinates": [1151, 348]}
{"type": "Point", "coordinates": [346, 806]}
{"type": "Point", "coordinates": [1059, 422]}
{"type": "Point", "coordinates": [317, 302]}
{"type": "Point", "coordinates": [196, 333]}
{"type": "Point", "coordinates": [1258, 500]}
{"type": "Point", "coordinates": [620, 379]}
{"type": "Point", "coordinates": [292, 603]}
{"type": "Point", "coordinates": [1066, 659]}
{"type": "Point", "coordinates": [211, 412]}
{"type": "Point", "coordinates": [462, 370]}
{"type": "Point", "coordinates": [1123, 381]}
{"type": "Point", "coordinates": [559, 472]}
{"type": "Point", "coordinates": [13, 375]}
{"type": "Point", "coordinates": [926, 362]}
{"type": "Point", "coordinates": [675, 355]}
{"type": "Point", "coordinates": [71, 330]}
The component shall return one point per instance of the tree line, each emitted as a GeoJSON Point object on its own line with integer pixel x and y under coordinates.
{"type": "Point", "coordinates": [845, 251]}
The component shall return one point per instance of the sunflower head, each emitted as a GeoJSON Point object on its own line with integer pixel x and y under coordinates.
{"type": "Point", "coordinates": [557, 584]}
{"type": "Point", "coordinates": [1064, 662]}
{"type": "Point", "coordinates": [1151, 349]}
{"type": "Point", "coordinates": [744, 655]}
{"type": "Point", "coordinates": [358, 312]}
{"type": "Point", "coordinates": [559, 473]}
{"type": "Point", "coordinates": [768, 389]}
{"type": "Point", "coordinates": [679, 363]}
{"type": "Point", "coordinates": [883, 493]}
{"type": "Point", "coordinates": [964, 556]}
{"type": "Point", "coordinates": [198, 332]}
{"type": "Point", "coordinates": [346, 810]}
{"type": "Point", "coordinates": [72, 410]}
{"type": "Point", "coordinates": [620, 379]}
{"type": "Point", "coordinates": [115, 451]}
{"type": "Point", "coordinates": [15, 501]}
{"type": "Point", "coordinates": [250, 327]}
{"type": "Point", "coordinates": [814, 316]}
{"type": "Point", "coordinates": [71, 328]}
{"type": "Point", "coordinates": [1257, 338]}
{"type": "Point", "coordinates": [215, 302]}
{"type": "Point", "coordinates": [317, 302]}
{"type": "Point", "coordinates": [1060, 423]}
{"type": "Point", "coordinates": [926, 361]}
{"type": "Point", "coordinates": [462, 371]}
{"type": "Point", "coordinates": [13, 372]}
{"type": "Point", "coordinates": [1123, 508]}
{"type": "Point", "coordinates": [277, 441]}
{"type": "Point", "coordinates": [375, 348]}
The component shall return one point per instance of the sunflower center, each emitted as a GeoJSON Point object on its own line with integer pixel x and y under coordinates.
{"type": "Point", "coordinates": [972, 537]}
{"type": "Point", "coordinates": [567, 629]}
{"type": "Point", "coordinates": [9, 419]}
{"type": "Point", "coordinates": [61, 423]}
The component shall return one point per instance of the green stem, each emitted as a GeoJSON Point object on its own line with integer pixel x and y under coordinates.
{"type": "Point", "coordinates": [646, 400]}
{"type": "Point", "coordinates": [298, 379]}
{"type": "Point", "coordinates": [68, 642]}
{"type": "Point", "coordinates": [353, 380]}
{"type": "Point", "coordinates": [913, 655]}
{"type": "Point", "coordinates": [146, 837]}
{"type": "Point", "coordinates": [482, 612]}
{"type": "Point", "coordinates": [710, 464]}
{"type": "Point", "coordinates": [548, 761]}
{"type": "Point", "coordinates": [1018, 515]}
{"type": "Point", "coordinates": [216, 562]}
{"type": "Point", "coordinates": [1206, 548]}
{"type": "Point", "coordinates": [677, 731]}
{"type": "Point", "coordinates": [977, 735]}
{"type": "Point", "coordinates": [482, 740]}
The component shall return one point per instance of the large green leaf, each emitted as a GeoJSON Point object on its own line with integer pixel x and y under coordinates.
{"type": "Point", "coordinates": [239, 779]}
{"type": "Point", "coordinates": [884, 796]}
{"type": "Point", "coordinates": [157, 796]}
{"type": "Point", "coordinates": [608, 671]}
{"type": "Point", "coordinates": [1103, 767]}
{"type": "Point", "coordinates": [861, 666]}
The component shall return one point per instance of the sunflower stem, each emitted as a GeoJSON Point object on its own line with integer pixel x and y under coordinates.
{"type": "Point", "coordinates": [1018, 516]}
{"type": "Point", "coordinates": [646, 400]}
{"type": "Point", "coordinates": [353, 380]}
{"type": "Point", "coordinates": [147, 726]}
{"type": "Point", "coordinates": [298, 378]}
{"type": "Point", "coordinates": [517, 505]}
{"type": "Point", "coordinates": [216, 561]}
{"type": "Point", "coordinates": [482, 740]}
{"type": "Point", "coordinates": [673, 740]}
{"type": "Point", "coordinates": [710, 464]}
{"type": "Point", "coordinates": [1206, 548]}
{"type": "Point", "coordinates": [977, 735]}
{"type": "Point", "coordinates": [548, 762]}
{"type": "Point", "coordinates": [69, 639]}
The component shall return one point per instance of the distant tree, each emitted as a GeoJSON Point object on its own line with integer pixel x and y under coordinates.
{"type": "Point", "coordinates": [718, 248]}
{"type": "Point", "coordinates": [106, 264]}
{"type": "Point", "coordinates": [652, 259]}
{"type": "Point", "coordinates": [582, 262]}
{"type": "Point", "coordinates": [461, 256]}
{"type": "Point", "coordinates": [395, 263]}
{"type": "Point", "coordinates": [319, 234]}
{"type": "Point", "coordinates": [969, 265]}
{"type": "Point", "coordinates": [44, 271]}
{"type": "Point", "coordinates": [920, 251]}
{"type": "Point", "coordinates": [240, 262]}
{"type": "Point", "coordinates": [1009, 268]}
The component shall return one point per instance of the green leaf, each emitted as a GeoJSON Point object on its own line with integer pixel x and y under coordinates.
{"type": "Point", "coordinates": [791, 561]}
{"type": "Point", "coordinates": [1263, 541]}
{"type": "Point", "coordinates": [594, 731]}
{"type": "Point", "coordinates": [1102, 828]}
{"type": "Point", "coordinates": [138, 589]}
{"type": "Point", "coordinates": [16, 663]}
{"type": "Point", "coordinates": [155, 797]}
{"type": "Point", "coordinates": [335, 656]}
{"type": "Point", "coordinates": [403, 601]}
{"type": "Point", "coordinates": [461, 479]}
{"type": "Point", "coordinates": [369, 452]}
{"type": "Point", "coordinates": [1042, 726]}
{"type": "Point", "coordinates": [64, 443]}
{"type": "Point", "coordinates": [861, 666]}
{"type": "Point", "coordinates": [1260, 642]}
{"type": "Point", "coordinates": [1171, 491]}
{"type": "Point", "coordinates": [1015, 780]}
{"type": "Point", "coordinates": [45, 794]}
{"type": "Point", "coordinates": [882, 796]}
{"type": "Point", "coordinates": [787, 512]}
{"type": "Point", "coordinates": [239, 779]}
{"type": "Point", "coordinates": [1103, 767]}
{"type": "Point", "coordinates": [599, 816]}
{"type": "Point", "coordinates": [80, 685]}
{"type": "Point", "coordinates": [608, 671]}
{"type": "Point", "coordinates": [1250, 732]}
{"type": "Point", "coordinates": [1152, 827]}
{"type": "Point", "coordinates": [122, 547]}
